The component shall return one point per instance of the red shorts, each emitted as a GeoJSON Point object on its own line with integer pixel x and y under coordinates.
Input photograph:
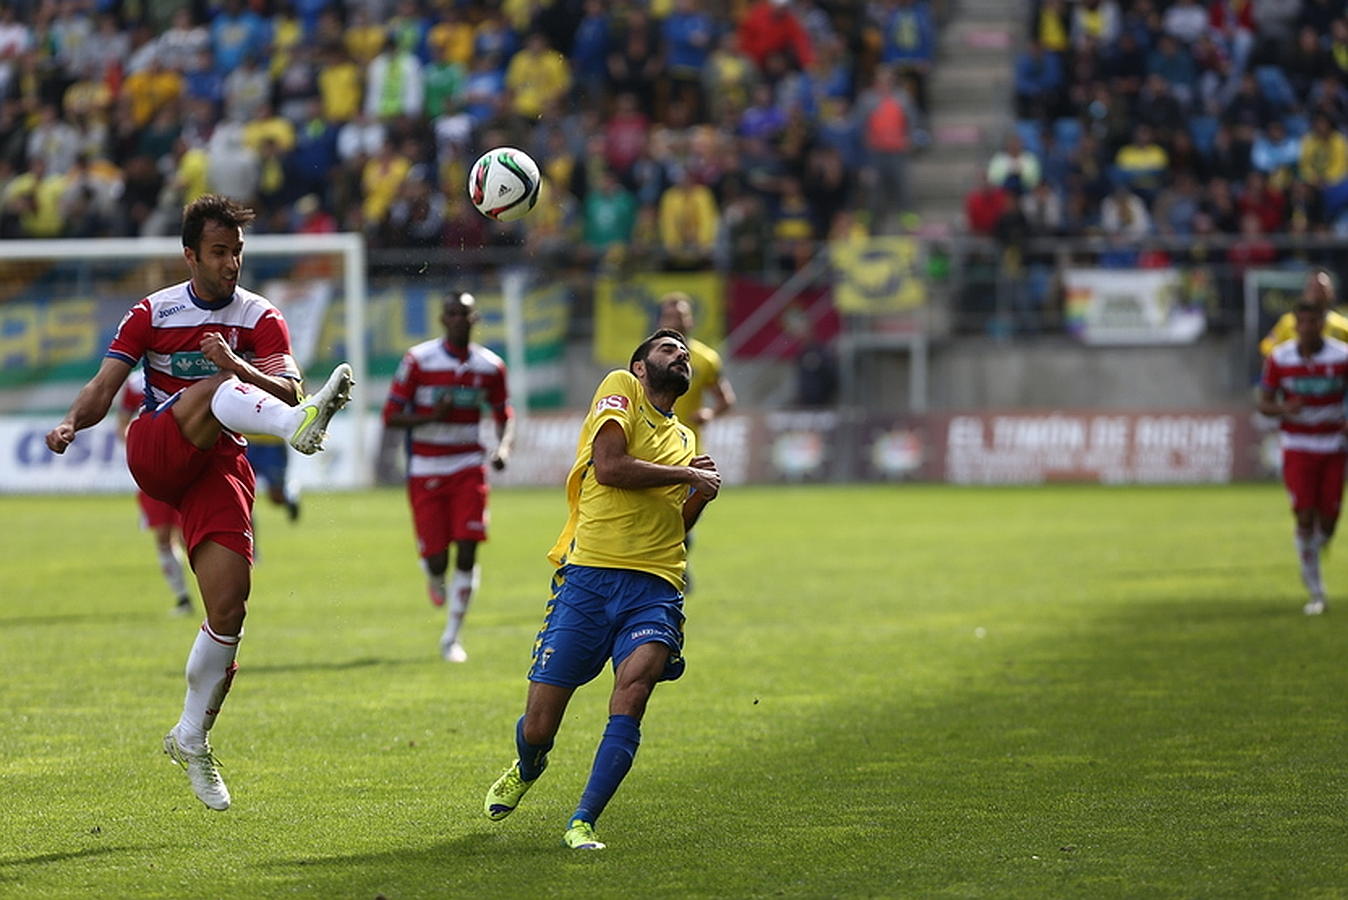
{"type": "Point", "coordinates": [1314, 480]}
{"type": "Point", "coordinates": [448, 508]}
{"type": "Point", "coordinates": [155, 513]}
{"type": "Point", "coordinates": [212, 490]}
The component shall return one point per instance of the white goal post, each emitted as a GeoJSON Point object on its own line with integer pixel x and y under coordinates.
{"type": "Point", "coordinates": [349, 247]}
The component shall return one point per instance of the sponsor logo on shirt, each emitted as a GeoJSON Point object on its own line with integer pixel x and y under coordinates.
{"type": "Point", "coordinates": [612, 401]}
{"type": "Point", "coordinates": [165, 313]}
{"type": "Point", "coordinates": [191, 364]}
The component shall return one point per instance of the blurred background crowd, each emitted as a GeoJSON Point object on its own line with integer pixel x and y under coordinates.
{"type": "Point", "coordinates": [691, 133]}
{"type": "Point", "coordinates": [1177, 120]}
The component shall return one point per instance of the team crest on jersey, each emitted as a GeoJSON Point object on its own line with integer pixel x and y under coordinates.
{"type": "Point", "coordinates": [612, 401]}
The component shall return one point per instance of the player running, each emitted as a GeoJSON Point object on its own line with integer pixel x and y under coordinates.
{"type": "Point", "coordinates": [218, 363]}
{"type": "Point", "coordinates": [156, 515]}
{"type": "Point", "coordinates": [635, 489]}
{"type": "Point", "coordinates": [1303, 385]}
{"type": "Point", "coordinates": [438, 395]}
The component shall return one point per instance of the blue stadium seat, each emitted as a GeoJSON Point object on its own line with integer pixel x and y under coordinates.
{"type": "Point", "coordinates": [1297, 125]}
{"type": "Point", "coordinates": [1275, 87]}
{"type": "Point", "coordinates": [1028, 132]}
{"type": "Point", "coordinates": [1067, 132]}
{"type": "Point", "coordinates": [1203, 129]}
{"type": "Point", "coordinates": [1335, 197]}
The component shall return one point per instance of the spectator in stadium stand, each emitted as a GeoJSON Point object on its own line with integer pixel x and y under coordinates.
{"type": "Point", "coordinates": [589, 52]}
{"type": "Point", "coordinates": [1276, 153]}
{"type": "Point", "coordinates": [1095, 19]}
{"type": "Point", "coordinates": [688, 35]}
{"type": "Point", "coordinates": [1142, 163]}
{"type": "Point", "coordinates": [728, 78]}
{"type": "Point", "coordinates": [1253, 249]}
{"type": "Point", "coordinates": [1042, 210]}
{"type": "Point", "coordinates": [1176, 65]}
{"type": "Point", "coordinates": [247, 89]}
{"type": "Point", "coordinates": [1051, 27]}
{"type": "Point", "coordinates": [1124, 214]}
{"type": "Point", "coordinates": [909, 44]}
{"type": "Point", "coordinates": [394, 83]}
{"type": "Point", "coordinates": [538, 77]}
{"type": "Point", "coordinates": [985, 206]}
{"type": "Point", "coordinates": [237, 32]}
{"type": "Point", "coordinates": [770, 26]}
{"type": "Point", "coordinates": [635, 64]}
{"type": "Point", "coordinates": [1014, 167]}
{"type": "Point", "coordinates": [1324, 154]}
{"type": "Point", "coordinates": [609, 215]}
{"type": "Point", "coordinates": [1178, 205]}
{"type": "Point", "coordinates": [1038, 80]}
{"type": "Point", "coordinates": [185, 452]}
{"type": "Point", "coordinates": [1275, 24]}
{"type": "Point", "coordinates": [438, 395]}
{"type": "Point", "coordinates": [688, 217]}
{"type": "Point", "coordinates": [887, 114]}
{"type": "Point", "coordinates": [1264, 201]}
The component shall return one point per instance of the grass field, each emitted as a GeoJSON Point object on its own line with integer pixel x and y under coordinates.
{"type": "Point", "coordinates": [892, 691]}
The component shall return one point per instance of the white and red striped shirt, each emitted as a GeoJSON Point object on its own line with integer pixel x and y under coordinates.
{"type": "Point", "coordinates": [1319, 382]}
{"type": "Point", "coordinates": [166, 329]}
{"type": "Point", "coordinates": [429, 371]}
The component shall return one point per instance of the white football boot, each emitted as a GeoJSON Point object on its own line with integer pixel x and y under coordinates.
{"type": "Point", "coordinates": [203, 771]}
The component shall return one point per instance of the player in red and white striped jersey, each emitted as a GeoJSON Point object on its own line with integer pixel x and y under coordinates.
{"type": "Point", "coordinates": [438, 394]}
{"type": "Point", "coordinates": [156, 515]}
{"type": "Point", "coordinates": [218, 363]}
{"type": "Point", "coordinates": [1304, 383]}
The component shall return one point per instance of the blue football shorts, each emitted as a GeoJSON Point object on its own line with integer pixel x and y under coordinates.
{"type": "Point", "coordinates": [268, 462]}
{"type": "Point", "coordinates": [601, 614]}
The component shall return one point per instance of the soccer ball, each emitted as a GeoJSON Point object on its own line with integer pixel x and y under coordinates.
{"type": "Point", "coordinates": [503, 184]}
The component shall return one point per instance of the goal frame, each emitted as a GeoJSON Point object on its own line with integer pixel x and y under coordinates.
{"type": "Point", "coordinates": [348, 245]}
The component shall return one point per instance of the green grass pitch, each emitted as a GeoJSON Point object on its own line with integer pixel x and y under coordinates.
{"type": "Point", "coordinates": [891, 692]}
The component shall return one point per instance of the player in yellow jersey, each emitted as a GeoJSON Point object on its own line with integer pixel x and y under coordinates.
{"type": "Point", "coordinates": [709, 383]}
{"type": "Point", "coordinates": [635, 489]}
{"type": "Point", "coordinates": [1319, 290]}
{"type": "Point", "coordinates": [676, 312]}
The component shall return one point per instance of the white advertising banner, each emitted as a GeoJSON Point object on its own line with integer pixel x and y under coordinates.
{"type": "Point", "coordinates": [96, 461]}
{"type": "Point", "coordinates": [1130, 306]}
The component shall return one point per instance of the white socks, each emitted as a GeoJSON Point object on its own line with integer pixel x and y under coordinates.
{"type": "Point", "coordinates": [249, 409]}
{"type": "Point", "coordinates": [461, 589]}
{"type": "Point", "coordinates": [210, 670]}
{"type": "Point", "coordinates": [171, 564]}
{"type": "Point", "coordinates": [1308, 552]}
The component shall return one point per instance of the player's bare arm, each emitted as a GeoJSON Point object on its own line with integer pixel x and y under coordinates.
{"type": "Point", "coordinates": [91, 403]}
{"type": "Point", "coordinates": [214, 348]}
{"type": "Point", "coordinates": [615, 467]}
{"type": "Point", "coordinates": [505, 429]}
{"type": "Point", "coordinates": [1270, 405]}
{"type": "Point", "coordinates": [723, 397]}
{"type": "Point", "coordinates": [698, 500]}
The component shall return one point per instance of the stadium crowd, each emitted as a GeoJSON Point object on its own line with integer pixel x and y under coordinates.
{"type": "Point", "coordinates": [1179, 119]}
{"type": "Point", "coordinates": [697, 133]}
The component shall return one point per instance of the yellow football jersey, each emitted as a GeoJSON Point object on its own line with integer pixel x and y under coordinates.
{"type": "Point", "coordinates": [617, 528]}
{"type": "Point", "coordinates": [706, 373]}
{"type": "Point", "coordinates": [1336, 326]}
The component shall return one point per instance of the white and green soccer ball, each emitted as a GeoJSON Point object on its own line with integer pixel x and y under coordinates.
{"type": "Point", "coordinates": [503, 184]}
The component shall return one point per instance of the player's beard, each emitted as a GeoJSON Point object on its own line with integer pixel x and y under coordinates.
{"type": "Point", "coordinates": [667, 380]}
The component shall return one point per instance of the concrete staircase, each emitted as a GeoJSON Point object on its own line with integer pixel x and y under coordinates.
{"type": "Point", "coordinates": [971, 97]}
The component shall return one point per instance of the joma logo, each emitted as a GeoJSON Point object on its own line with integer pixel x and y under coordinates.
{"type": "Point", "coordinates": [165, 313]}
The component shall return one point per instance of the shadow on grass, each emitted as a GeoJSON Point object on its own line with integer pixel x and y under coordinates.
{"type": "Point", "coordinates": [333, 665]}
{"type": "Point", "coordinates": [9, 863]}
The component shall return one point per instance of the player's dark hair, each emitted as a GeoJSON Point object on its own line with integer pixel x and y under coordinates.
{"type": "Point", "coordinates": [644, 348]}
{"type": "Point", "coordinates": [212, 208]}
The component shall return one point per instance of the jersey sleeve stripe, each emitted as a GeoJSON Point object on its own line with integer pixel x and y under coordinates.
{"type": "Point", "coordinates": [124, 357]}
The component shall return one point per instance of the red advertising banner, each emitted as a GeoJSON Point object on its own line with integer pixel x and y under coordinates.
{"type": "Point", "coordinates": [1103, 447]}
{"type": "Point", "coordinates": [810, 315]}
{"type": "Point", "coordinates": [1014, 447]}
